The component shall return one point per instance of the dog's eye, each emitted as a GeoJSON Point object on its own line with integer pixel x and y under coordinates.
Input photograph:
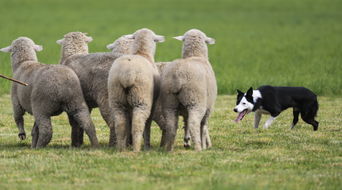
{"type": "Point", "coordinates": [243, 103]}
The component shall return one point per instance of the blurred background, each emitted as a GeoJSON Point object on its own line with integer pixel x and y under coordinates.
{"type": "Point", "coordinates": [276, 42]}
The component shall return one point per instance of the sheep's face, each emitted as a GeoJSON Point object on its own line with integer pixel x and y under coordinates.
{"type": "Point", "coordinates": [75, 38]}
{"type": "Point", "coordinates": [195, 35]}
{"type": "Point", "coordinates": [122, 45]}
{"type": "Point", "coordinates": [22, 44]}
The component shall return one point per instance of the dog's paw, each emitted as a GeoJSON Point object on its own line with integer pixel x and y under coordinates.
{"type": "Point", "coordinates": [22, 136]}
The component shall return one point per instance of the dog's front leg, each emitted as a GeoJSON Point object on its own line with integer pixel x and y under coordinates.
{"type": "Point", "coordinates": [257, 117]}
{"type": "Point", "coordinates": [269, 122]}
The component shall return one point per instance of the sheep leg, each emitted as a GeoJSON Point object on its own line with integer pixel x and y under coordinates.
{"type": "Point", "coordinates": [171, 119]}
{"type": "Point", "coordinates": [147, 134]}
{"type": "Point", "coordinates": [187, 138]}
{"type": "Point", "coordinates": [35, 134]}
{"type": "Point", "coordinates": [170, 114]}
{"type": "Point", "coordinates": [82, 118]}
{"type": "Point", "coordinates": [194, 124]}
{"type": "Point", "coordinates": [106, 115]}
{"type": "Point", "coordinates": [140, 116]}
{"type": "Point", "coordinates": [161, 123]}
{"type": "Point", "coordinates": [203, 138]}
{"type": "Point", "coordinates": [44, 131]}
{"type": "Point", "coordinates": [76, 132]}
{"type": "Point", "coordinates": [163, 138]}
{"type": "Point", "coordinates": [206, 142]}
{"type": "Point", "coordinates": [147, 131]}
{"type": "Point", "coordinates": [121, 125]}
{"type": "Point", "coordinates": [18, 118]}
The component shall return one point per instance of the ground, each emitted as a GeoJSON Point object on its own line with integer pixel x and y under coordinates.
{"type": "Point", "coordinates": [241, 157]}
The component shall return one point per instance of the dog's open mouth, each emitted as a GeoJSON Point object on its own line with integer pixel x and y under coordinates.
{"type": "Point", "coordinates": [241, 115]}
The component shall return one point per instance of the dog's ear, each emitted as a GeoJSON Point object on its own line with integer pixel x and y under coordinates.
{"type": "Point", "coordinates": [239, 92]}
{"type": "Point", "coordinates": [249, 92]}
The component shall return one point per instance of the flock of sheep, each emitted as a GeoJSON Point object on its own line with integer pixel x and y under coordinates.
{"type": "Point", "coordinates": [127, 85]}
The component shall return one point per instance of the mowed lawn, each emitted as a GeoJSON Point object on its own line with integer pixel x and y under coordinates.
{"type": "Point", "coordinates": [241, 157]}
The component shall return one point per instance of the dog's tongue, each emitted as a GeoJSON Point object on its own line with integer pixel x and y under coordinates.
{"type": "Point", "coordinates": [240, 116]}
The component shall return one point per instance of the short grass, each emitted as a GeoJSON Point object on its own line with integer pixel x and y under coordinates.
{"type": "Point", "coordinates": [241, 158]}
{"type": "Point", "coordinates": [277, 42]}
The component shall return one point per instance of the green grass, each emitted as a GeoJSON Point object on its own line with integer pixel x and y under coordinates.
{"type": "Point", "coordinates": [241, 157]}
{"type": "Point", "coordinates": [277, 42]}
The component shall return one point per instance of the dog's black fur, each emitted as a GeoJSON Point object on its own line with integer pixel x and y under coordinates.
{"type": "Point", "coordinates": [276, 99]}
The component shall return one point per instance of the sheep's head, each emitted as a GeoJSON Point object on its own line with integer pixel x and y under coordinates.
{"type": "Point", "coordinates": [146, 34]}
{"type": "Point", "coordinates": [75, 37]}
{"type": "Point", "coordinates": [74, 43]}
{"type": "Point", "coordinates": [195, 35]}
{"type": "Point", "coordinates": [145, 42]}
{"type": "Point", "coordinates": [195, 43]}
{"type": "Point", "coordinates": [122, 45]}
{"type": "Point", "coordinates": [22, 44]}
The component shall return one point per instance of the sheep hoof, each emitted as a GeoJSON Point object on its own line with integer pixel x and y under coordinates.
{"type": "Point", "coordinates": [22, 136]}
{"type": "Point", "coordinates": [187, 146]}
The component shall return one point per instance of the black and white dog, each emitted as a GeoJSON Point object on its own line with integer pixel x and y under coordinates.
{"type": "Point", "coordinates": [273, 100]}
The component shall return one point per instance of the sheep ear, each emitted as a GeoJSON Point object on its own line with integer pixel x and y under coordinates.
{"type": "Point", "coordinates": [210, 40]}
{"type": "Point", "coordinates": [88, 39]}
{"type": "Point", "coordinates": [6, 49]}
{"type": "Point", "coordinates": [180, 38]}
{"type": "Point", "coordinates": [38, 47]}
{"type": "Point", "coordinates": [129, 36]}
{"type": "Point", "coordinates": [159, 38]}
{"type": "Point", "coordinates": [60, 42]}
{"type": "Point", "coordinates": [110, 46]}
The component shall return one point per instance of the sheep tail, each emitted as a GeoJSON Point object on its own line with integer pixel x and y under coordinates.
{"type": "Point", "coordinates": [128, 79]}
{"type": "Point", "coordinates": [177, 85]}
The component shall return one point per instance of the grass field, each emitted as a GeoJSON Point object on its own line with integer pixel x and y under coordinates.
{"type": "Point", "coordinates": [241, 158]}
{"type": "Point", "coordinates": [277, 42]}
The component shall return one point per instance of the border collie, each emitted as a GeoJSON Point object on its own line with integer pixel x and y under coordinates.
{"type": "Point", "coordinates": [273, 100]}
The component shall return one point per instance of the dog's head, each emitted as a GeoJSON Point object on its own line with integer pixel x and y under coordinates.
{"type": "Point", "coordinates": [244, 104]}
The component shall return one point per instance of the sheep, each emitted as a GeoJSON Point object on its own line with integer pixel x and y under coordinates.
{"type": "Point", "coordinates": [133, 86]}
{"type": "Point", "coordinates": [189, 87]}
{"type": "Point", "coordinates": [74, 43]}
{"type": "Point", "coordinates": [157, 116]}
{"type": "Point", "coordinates": [52, 89]}
{"type": "Point", "coordinates": [92, 70]}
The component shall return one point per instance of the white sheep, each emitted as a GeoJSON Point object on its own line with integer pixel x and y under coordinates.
{"type": "Point", "coordinates": [52, 89]}
{"type": "Point", "coordinates": [189, 87]}
{"type": "Point", "coordinates": [92, 69]}
{"type": "Point", "coordinates": [159, 118]}
{"type": "Point", "coordinates": [133, 86]}
{"type": "Point", "coordinates": [74, 43]}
